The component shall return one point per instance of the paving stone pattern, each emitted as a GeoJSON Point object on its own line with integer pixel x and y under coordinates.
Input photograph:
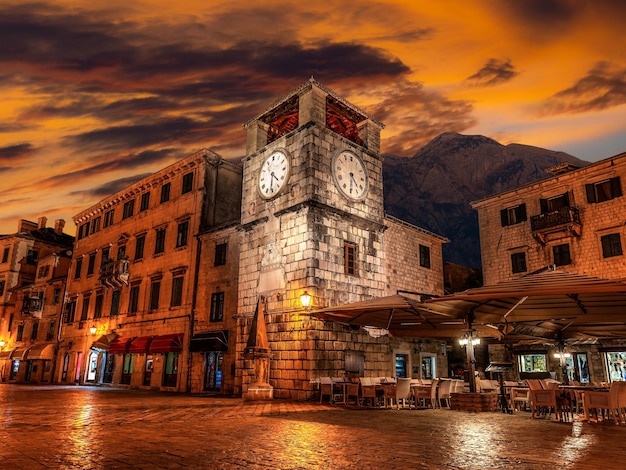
{"type": "Point", "coordinates": [69, 427]}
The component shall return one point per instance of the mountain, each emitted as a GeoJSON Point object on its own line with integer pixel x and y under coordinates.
{"type": "Point", "coordinates": [434, 188]}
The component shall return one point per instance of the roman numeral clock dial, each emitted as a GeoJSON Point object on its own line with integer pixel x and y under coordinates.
{"type": "Point", "coordinates": [274, 174]}
{"type": "Point", "coordinates": [350, 174]}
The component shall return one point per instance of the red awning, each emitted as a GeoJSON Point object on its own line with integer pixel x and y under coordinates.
{"type": "Point", "coordinates": [120, 346]}
{"type": "Point", "coordinates": [140, 345]}
{"type": "Point", "coordinates": [167, 343]}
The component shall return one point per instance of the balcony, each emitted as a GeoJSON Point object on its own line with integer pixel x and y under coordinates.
{"type": "Point", "coordinates": [32, 306]}
{"type": "Point", "coordinates": [114, 274]}
{"type": "Point", "coordinates": [566, 219]}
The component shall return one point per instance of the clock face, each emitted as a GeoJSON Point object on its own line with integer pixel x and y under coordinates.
{"type": "Point", "coordinates": [350, 174]}
{"type": "Point", "coordinates": [274, 174]}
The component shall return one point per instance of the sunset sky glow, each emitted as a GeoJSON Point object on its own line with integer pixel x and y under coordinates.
{"type": "Point", "coordinates": [96, 95]}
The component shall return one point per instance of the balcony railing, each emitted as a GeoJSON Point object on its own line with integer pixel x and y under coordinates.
{"type": "Point", "coordinates": [114, 273]}
{"type": "Point", "coordinates": [564, 216]}
{"type": "Point", "coordinates": [32, 306]}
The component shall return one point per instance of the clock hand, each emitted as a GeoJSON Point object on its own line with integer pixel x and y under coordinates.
{"type": "Point", "coordinates": [351, 181]}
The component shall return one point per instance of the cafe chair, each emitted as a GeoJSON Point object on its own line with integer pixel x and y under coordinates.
{"type": "Point", "coordinates": [403, 392]}
{"type": "Point", "coordinates": [596, 400]}
{"type": "Point", "coordinates": [544, 402]}
{"type": "Point", "coordinates": [352, 392]}
{"type": "Point", "coordinates": [443, 394]}
{"type": "Point", "coordinates": [369, 392]}
{"type": "Point", "coordinates": [428, 396]}
{"type": "Point", "coordinates": [520, 397]}
{"type": "Point", "coordinates": [326, 389]}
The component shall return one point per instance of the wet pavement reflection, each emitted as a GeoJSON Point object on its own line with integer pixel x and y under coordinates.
{"type": "Point", "coordinates": [103, 428]}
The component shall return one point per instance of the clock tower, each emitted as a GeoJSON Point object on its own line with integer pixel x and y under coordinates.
{"type": "Point", "coordinates": [312, 210]}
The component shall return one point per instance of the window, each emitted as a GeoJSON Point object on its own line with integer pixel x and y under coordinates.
{"type": "Point", "coordinates": [121, 252]}
{"type": "Point", "coordinates": [155, 292]}
{"type": "Point", "coordinates": [561, 255]}
{"type": "Point", "coordinates": [604, 190]}
{"type": "Point", "coordinates": [187, 183]}
{"type": "Point", "coordinates": [108, 217]}
{"type": "Point", "coordinates": [177, 291]}
{"type": "Point", "coordinates": [5, 255]}
{"type": "Point", "coordinates": [554, 204]}
{"type": "Point", "coordinates": [10, 325]}
{"type": "Point", "coordinates": [165, 192]}
{"type": "Point", "coordinates": [349, 259]}
{"type": "Point", "coordinates": [79, 268]}
{"type": "Point", "coordinates": [31, 257]}
{"type": "Point", "coordinates": [611, 245]}
{"type": "Point", "coordinates": [83, 230]}
{"type": "Point", "coordinates": [217, 306]}
{"type": "Point", "coordinates": [532, 363]}
{"type": "Point", "coordinates": [56, 295]}
{"type": "Point", "coordinates": [91, 265]}
{"type": "Point", "coordinates": [220, 254]}
{"type": "Point", "coordinates": [513, 215]}
{"type": "Point", "coordinates": [139, 246]}
{"type": "Point", "coordinates": [70, 311]}
{"type": "Point", "coordinates": [355, 363]}
{"type": "Point", "coordinates": [518, 263]}
{"type": "Point", "coordinates": [84, 314]}
{"type": "Point", "coordinates": [105, 255]}
{"type": "Point", "coordinates": [2, 284]}
{"type": "Point", "coordinates": [34, 332]}
{"type": "Point", "coordinates": [115, 303]}
{"type": "Point", "coordinates": [424, 256]}
{"type": "Point", "coordinates": [159, 246]}
{"type": "Point", "coordinates": [145, 202]}
{"type": "Point", "coordinates": [97, 311]}
{"type": "Point", "coordinates": [43, 271]}
{"type": "Point", "coordinates": [20, 333]}
{"type": "Point", "coordinates": [181, 236]}
{"type": "Point", "coordinates": [50, 333]}
{"type": "Point", "coordinates": [133, 300]}
{"type": "Point", "coordinates": [129, 209]}
{"type": "Point", "coordinates": [95, 225]}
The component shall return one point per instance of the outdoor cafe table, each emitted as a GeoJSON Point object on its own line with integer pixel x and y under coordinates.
{"type": "Point", "coordinates": [581, 389]}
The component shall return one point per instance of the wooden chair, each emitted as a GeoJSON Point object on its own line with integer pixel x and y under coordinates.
{"type": "Point", "coordinates": [326, 389]}
{"type": "Point", "coordinates": [428, 396]}
{"type": "Point", "coordinates": [520, 396]}
{"type": "Point", "coordinates": [369, 392]}
{"type": "Point", "coordinates": [543, 402]}
{"type": "Point", "coordinates": [597, 400]}
{"type": "Point", "coordinates": [352, 392]}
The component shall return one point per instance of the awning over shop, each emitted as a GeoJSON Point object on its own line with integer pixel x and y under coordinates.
{"type": "Point", "coordinates": [43, 351]}
{"type": "Point", "coordinates": [120, 346]}
{"type": "Point", "coordinates": [6, 355]}
{"type": "Point", "coordinates": [20, 353]}
{"type": "Point", "coordinates": [104, 342]}
{"type": "Point", "coordinates": [209, 341]}
{"type": "Point", "coordinates": [167, 343]}
{"type": "Point", "coordinates": [140, 345]}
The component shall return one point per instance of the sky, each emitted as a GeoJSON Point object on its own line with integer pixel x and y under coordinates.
{"type": "Point", "coordinates": [96, 95]}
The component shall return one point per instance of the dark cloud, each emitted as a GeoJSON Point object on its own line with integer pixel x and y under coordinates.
{"type": "Point", "coordinates": [111, 187]}
{"type": "Point", "coordinates": [14, 153]}
{"type": "Point", "coordinates": [603, 87]}
{"type": "Point", "coordinates": [409, 37]}
{"type": "Point", "coordinates": [494, 72]}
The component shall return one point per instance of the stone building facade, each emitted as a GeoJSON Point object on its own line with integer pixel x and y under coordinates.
{"type": "Point", "coordinates": [313, 220]}
{"type": "Point", "coordinates": [33, 271]}
{"type": "Point", "coordinates": [131, 306]}
{"type": "Point", "coordinates": [575, 221]}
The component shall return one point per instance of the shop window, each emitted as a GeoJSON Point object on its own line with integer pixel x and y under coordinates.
{"type": "Point", "coordinates": [561, 255]}
{"type": "Point", "coordinates": [217, 306]}
{"type": "Point", "coordinates": [182, 233]}
{"type": "Point", "coordinates": [155, 292]}
{"type": "Point", "coordinates": [140, 243]}
{"type": "Point", "coordinates": [115, 303]}
{"type": "Point", "coordinates": [129, 209]}
{"type": "Point", "coordinates": [513, 215]}
{"type": "Point", "coordinates": [611, 245]}
{"type": "Point", "coordinates": [518, 262]}
{"type": "Point", "coordinates": [177, 292]}
{"type": "Point", "coordinates": [187, 183]}
{"type": "Point", "coordinates": [159, 246]}
{"type": "Point", "coordinates": [220, 254]}
{"type": "Point", "coordinates": [145, 202]}
{"type": "Point", "coordinates": [108, 217]}
{"type": "Point", "coordinates": [532, 363]}
{"type": "Point", "coordinates": [402, 365]}
{"type": "Point", "coordinates": [170, 370]}
{"type": "Point", "coordinates": [165, 192]}
{"type": "Point", "coordinates": [554, 204]}
{"type": "Point", "coordinates": [603, 190]}
{"type": "Point", "coordinates": [615, 365]}
{"type": "Point", "coordinates": [349, 259]}
{"type": "Point", "coordinates": [424, 252]}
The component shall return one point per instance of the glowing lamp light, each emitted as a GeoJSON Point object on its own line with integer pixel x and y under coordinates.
{"type": "Point", "coordinates": [564, 355]}
{"type": "Point", "coordinates": [465, 341]}
{"type": "Point", "coordinates": [2, 343]}
{"type": "Point", "coordinates": [93, 329]}
{"type": "Point", "coordinates": [305, 299]}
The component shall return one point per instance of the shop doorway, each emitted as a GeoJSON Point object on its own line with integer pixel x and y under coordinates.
{"type": "Point", "coordinates": [109, 367]}
{"type": "Point", "coordinates": [92, 367]}
{"type": "Point", "coordinates": [127, 369]}
{"type": "Point", "coordinates": [213, 370]}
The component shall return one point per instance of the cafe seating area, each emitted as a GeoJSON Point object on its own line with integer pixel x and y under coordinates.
{"type": "Point", "coordinates": [541, 398]}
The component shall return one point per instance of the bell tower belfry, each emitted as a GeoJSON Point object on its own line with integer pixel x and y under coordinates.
{"type": "Point", "coordinates": [312, 210]}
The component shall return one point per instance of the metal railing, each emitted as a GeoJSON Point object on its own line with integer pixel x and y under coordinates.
{"type": "Point", "coordinates": [564, 216]}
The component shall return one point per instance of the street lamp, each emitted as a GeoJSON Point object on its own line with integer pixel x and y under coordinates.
{"type": "Point", "coordinates": [305, 299]}
{"type": "Point", "coordinates": [2, 343]}
{"type": "Point", "coordinates": [93, 329]}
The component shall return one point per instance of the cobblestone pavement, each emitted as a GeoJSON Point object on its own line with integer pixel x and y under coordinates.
{"type": "Point", "coordinates": [102, 428]}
